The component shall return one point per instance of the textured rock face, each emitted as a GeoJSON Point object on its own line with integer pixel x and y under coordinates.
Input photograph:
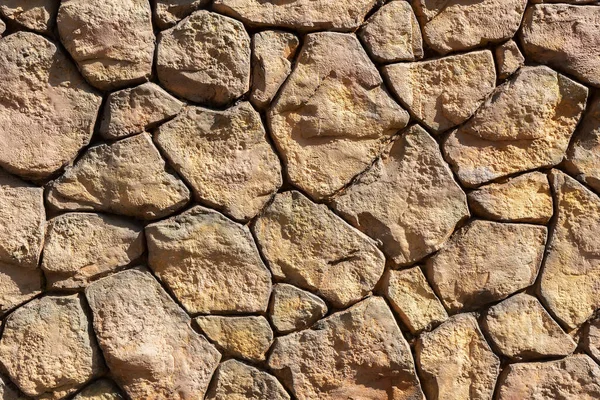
{"type": "Point", "coordinates": [7, 392]}
{"type": "Point", "coordinates": [37, 15]}
{"type": "Point", "coordinates": [292, 309]}
{"type": "Point", "coordinates": [591, 339]}
{"type": "Point", "coordinates": [508, 58]}
{"type": "Point", "coordinates": [100, 390]}
{"type": "Point", "coordinates": [18, 285]}
{"type": "Point", "coordinates": [169, 12]}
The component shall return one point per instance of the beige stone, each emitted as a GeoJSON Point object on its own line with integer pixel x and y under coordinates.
{"type": "Point", "coordinates": [357, 353]}
{"type": "Point", "coordinates": [508, 58]}
{"type": "Point", "coordinates": [18, 285]}
{"type": "Point", "coordinates": [485, 262]}
{"type": "Point", "coordinates": [7, 391]}
{"type": "Point", "coordinates": [2, 27]}
{"type": "Point", "coordinates": [47, 110]}
{"type": "Point", "coordinates": [591, 338]}
{"type": "Point", "coordinates": [293, 309]}
{"type": "Point", "coordinates": [224, 156]}
{"type": "Point", "coordinates": [48, 349]}
{"type": "Point", "coordinates": [169, 12]}
{"type": "Point", "coordinates": [37, 15]}
{"type": "Point", "coordinates": [309, 246]}
{"type": "Point", "coordinates": [102, 389]}
{"type": "Point", "coordinates": [443, 92]}
{"type": "Point", "coordinates": [209, 262]}
{"type": "Point", "coordinates": [332, 116]}
{"type": "Point", "coordinates": [205, 58]}
{"type": "Point", "coordinates": [147, 340]}
{"type": "Point", "coordinates": [526, 124]}
{"type": "Point", "coordinates": [408, 200]}
{"type": "Point", "coordinates": [127, 177]}
{"type": "Point", "coordinates": [525, 198]}
{"type": "Point", "coordinates": [456, 362]}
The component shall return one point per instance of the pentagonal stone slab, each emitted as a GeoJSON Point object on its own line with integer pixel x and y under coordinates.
{"type": "Point", "coordinates": [293, 309]}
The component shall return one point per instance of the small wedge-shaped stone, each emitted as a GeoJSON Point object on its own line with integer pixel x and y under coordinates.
{"type": "Point", "coordinates": [521, 329]}
{"type": "Point", "coordinates": [127, 177]}
{"type": "Point", "coordinates": [358, 353]}
{"type": "Point", "coordinates": [591, 339]}
{"type": "Point", "coordinates": [205, 58]}
{"type": "Point", "coordinates": [485, 262]}
{"type": "Point", "coordinates": [408, 200]}
{"type": "Point", "coordinates": [293, 309]}
{"type": "Point", "coordinates": [111, 40]}
{"type": "Point", "coordinates": [225, 156]}
{"type": "Point", "coordinates": [169, 12]}
{"type": "Point", "coordinates": [37, 15]}
{"type": "Point", "coordinates": [526, 198]}
{"type": "Point", "coordinates": [48, 348]}
{"type": "Point", "coordinates": [333, 116]}
{"type": "Point", "coordinates": [18, 285]}
{"type": "Point", "coordinates": [309, 246]}
{"type": "Point", "coordinates": [509, 59]}
{"type": "Point", "coordinates": [238, 381]}
{"type": "Point", "coordinates": [445, 92]}
{"type": "Point", "coordinates": [102, 389]}
{"type": "Point", "coordinates": [526, 124]}
{"type": "Point", "coordinates": [565, 37]}
{"type": "Point", "coordinates": [571, 273]}
{"type": "Point", "coordinates": [209, 262]}
{"type": "Point", "coordinates": [244, 337]}
{"type": "Point", "coordinates": [83, 246]}
{"type": "Point", "coordinates": [2, 27]}
{"type": "Point", "coordinates": [7, 391]}
{"type": "Point", "coordinates": [47, 110]}
{"type": "Point", "coordinates": [147, 340]}
{"type": "Point", "coordinates": [576, 377]}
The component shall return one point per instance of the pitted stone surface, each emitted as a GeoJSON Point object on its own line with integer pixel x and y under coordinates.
{"type": "Point", "coordinates": [169, 12]}
{"type": "Point", "coordinates": [37, 15]}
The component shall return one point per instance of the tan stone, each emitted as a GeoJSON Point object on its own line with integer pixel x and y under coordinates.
{"type": "Point", "coordinates": [456, 362]}
{"type": "Point", "coordinates": [357, 353]}
{"type": "Point", "coordinates": [205, 58]}
{"type": "Point", "coordinates": [526, 124]}
{"type": "Point", "coordinates": [37, 15]}
{"type": "Point", "coordinates": [293, 309]}
{"type": "Point", "coordinates": [127, 177]}
{"type": "Point", "coordinates": [48, 348]}
{"type": "Point", "coordinates": [147, 340]}
{"type": "Point", "coordinates": [7, 391]}
{"type": "Point", "coordinates": [2, 27]}
{"type": "Point", "coordinates": [508, 58]}
{"type": "Point", "coordinates": [591, 339]}
{"type": "Point", "coordinates": [525, 198]}
{"type": "Point", "coordinates": [47, 110]}
{"type": "Point", "coordinates": [309, 246]}
{"type": "Point", "coordinates": [18, 285]}
{"type": "Point", "coordinates": [224, 156]}
{"type": "Point", "coordinates": [485, 262]}
{"type": "Point", "coordinates": [102, 389]}
{"type": "Point", "coordinates": [332, 116]}
{"type": "Point", "coordinates": [408, 200]}
{"type": "Point", "coordinates": [210, 263]}
{"type": "Point", "coordinates": [443, 92]}
{"type": "Point", "coordinates": [169, 12]}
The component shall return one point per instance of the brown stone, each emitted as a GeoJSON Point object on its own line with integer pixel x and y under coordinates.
{"type": "Point", "coordinates": [102, 389]}
{"type": "Point", "coordinates": [591, 338]}
{"type": "Point", "coordinates": [508, 58]}
{"type": "Point", "coordinates": [169, 12]}
{"type": "Point", "coordinates": [37, 15]}
{"type": "Point", "coordinates": [292, 309]}
{"type": "Point", "coordinates": [2, 27]}
{"type": "Point", "coordinates": [18, 285]}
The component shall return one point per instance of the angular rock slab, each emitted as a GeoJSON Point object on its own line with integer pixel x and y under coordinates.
{"type": "Point", "coordinates": [2, 27]}
{"type": "Point", "coordinates": [47, 110]}
{"type": "Point", "coordinates": [37, 15]}
{"type": "Point", "coordinates": [169, 12]}
{"type": "Point", "coordinates": [147, 340]}
{"type": "Point", "coordinates": [48, 348]}
{"type": "Point", "coordinates": [356, 353]}
{"type": "Point", "coordinates": [408, 200]}
{"type": "Point", "coordinates": [209, 262]}
{"type": "Point", "coordinates": [591, 339]}
{"type": "Point", "coordinates": [102, 389]}
{"type": "Point", "coordinates": [309, 246]}
{"type": "Point", "coordinates": [111, 40]}
{"type": "Point", "coordinates": [18, 285]}
{"type": "Point", "coordinates": [332, 116]}
{"type": "Point", "coordinates": [224, 156]}
{"type": "Point", "coordinates": [470, 272]}
{"type": "Point", "coordinates": [444, 92]}
{"type": "Point", "coordinates": [293, 309]}
{"type": "Point", "coordinates": [526, 124]}
{"type": "Point", "coordinates": [508, 58]}
{"type": "Point", "coordinates": [127, 177]}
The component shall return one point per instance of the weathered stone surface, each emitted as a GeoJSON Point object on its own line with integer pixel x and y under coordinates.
{"type": "Point", "coordinates": [37, 15]}
{"type": "Point", "coordinates": [526, 124]}
{"type": "Point", "coordinates": [408, 200]}
{"type": "Point", "coordinates": [571, 273]}
{"type": "Point", "coordinates": [205, 58]}
{"type": "Point", "coordinates": [591, 339]}
{"type": "Point", "coordinates": [413, 300]}
{"type": "Point", "coordinates": [293, 309]}
{"type": "Point", "coordinates": [372, 361]}
{"type": "Point", "coordinates": [470, 272]}
{"type": "Point", "coordinates": [236, 380]}
{"type": "Point", "coordinates": [225, 156]}
{"type": "Point", "coordinates": [272, 55]}
{"type": "Point", "coordinates": [7, 391]}
{"type": "Point", "coordinates": [245, 337]}
{"type": "Point", "coordinates": [102, 389]}
{"type": "Point", "coordinates": [47, 110]}
{"type": "Point", "coordinates": [393, 34]}
{"type": "Point", "coordinates": [131, 111]}
{"type": "Point", "coordinates": [565, 37]}
{"type": "Point", "coordinates": [444, 92]}
{"type": "Point", "coordinates": [147, 340]}
{"type": "Point", "coordinates": [17, 285]}
{"type": "Point", "coordinates": [83, 246]}
{"type": "Point", "coordinates": [522, 330]}
{"type": "Point", "coordinates": [2, 27]}
{"type": "Point", "coordinates": [575, 377]}
{"type": "Point", "coordinates": [508, 58]}
{"type": "Point", "coordinates": [209, 262]}
{"type": "Point", "coordinates": [456, 362]}
{"type": "Point", "coordinates": [127, 177]}
{"type": "Point", "coordinates": [525, 198]}
{"type": "Point", "coordinates": [48, 349]}
{"type": "Point", "coordinates": [169, 12]}
{"type": "Point", "coordinates": [309, 246]}
{"type": "Point", "coordinates": [333, 116]}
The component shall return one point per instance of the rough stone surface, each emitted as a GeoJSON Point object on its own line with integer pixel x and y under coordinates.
{"type": "Point", "coordinates": [169, 12]}
{"type": "Point", "coordinates": [293, 309]}
{"type": "Point", "coordinates": [7, 391]}
{"type": "Point", "coordinates": [309, 246]}
{"type": "Point", "coordinates": [102, 389]}
{"type": "Point", "coordinates": [209, 262]}
{"type": "Point", "coordinates": [408, 200]}
{"type": "Point", "coordinates": [591, 339]}
{"type": "Point", "coordinates": [2, 27]}
{"type": "Point", "coordinates": [37, 15]}
{"type": "Point", "coordinates": [508, 58]}
{"type": "Point", "coordinates": [18, 285]}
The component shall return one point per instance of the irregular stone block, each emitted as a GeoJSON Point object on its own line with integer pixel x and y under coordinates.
{"type": "Point", "coordinates": [591, 338]}
{"type": "Point", "coordinates": [169, 12]}
{"type": "Point", "coordinates": [102, 389]}
{"type": "Point", "coordinates": [508, 58]}
{"type": "Point", "coordinates": [18, 285]}
{"type": "Point", "coordinates": [37, 15]}
{"type": "Point", "coordinates": [293, 309]}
